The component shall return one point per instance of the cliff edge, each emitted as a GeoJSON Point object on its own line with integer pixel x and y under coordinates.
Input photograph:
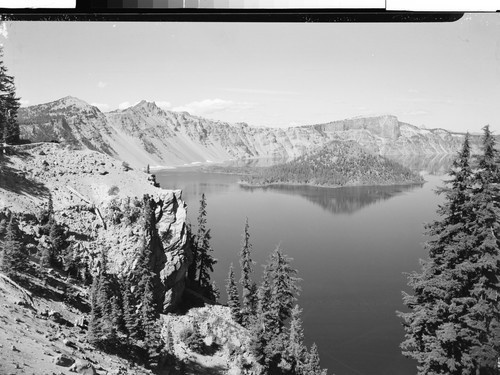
{"type": "Point", "coordinates": [98, 200]}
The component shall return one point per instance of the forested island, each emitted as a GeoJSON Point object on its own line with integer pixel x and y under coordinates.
{"type": "Point", "coordinates": [339, 163]}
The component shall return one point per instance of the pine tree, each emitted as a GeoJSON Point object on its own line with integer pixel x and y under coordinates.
{"type": "Point", "coordinates": [102, 332]}
{"type": "Point", "coordinates": [149, 322]}
{"type": "Point", "coordinates": [248, 287]}
{"type": "Point", "coordinates": [132, 323]}
{"type": "Point", "coordinates": [452, 326]}
{"type": "Point", "coordinates": [143, 266]}
{"type": "Point", "coordinates": [483, 278]}
{"type": "Point", "coordinates": [262, 326]}
{"type": "Point", "coordinates": [284, 287]}
{"type": "Point", "coordinates": [295, 350]}
{"type": "Point", "coordinates": [312, 366]}
{"type": "Point", "coordinates": [14, 258]}
{"type": "Point", "coordinates": [233, 298]}
{"type": "Point", "coordinates": [265, 300]}
{"type": "Point", "coordinates": [58, 242]}
{"type": "Point", "coordinates": [193, 266]}
{"type": "Point", "coordinates": [9, 105]}
{"type": "Point", "coordinates": [258, 338]}
{"type": "Point", "coordinates": [94, 332]}
{"type": "Point", "coordinates": [205, 259]}
{"type": "Point", "coordinates": [117, 313]}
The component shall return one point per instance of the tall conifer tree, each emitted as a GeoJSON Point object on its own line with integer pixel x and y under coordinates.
{"type": "Point", "coordinates": [296, 351]}
{"type": "Point", "coordinates": [152, 330]}
{"type": "Point", "coordinates": [14, 258]}
{"type": "Point", "coordinates": [285, 287]}
{"type": "Point", "coordinates": [249, 301]}
{"type": "Point", "coordinates": [451, 328]}
{"type": "Point", "coordinates": [102, 331]}
{"type": "Point", "coordinates": [9, 104]}
{"type": "Point", "coordinates": [205, 259]}
{"type": "Point", "coordinates": [131, 320]}
{"type": "Point", "coordinates": [483, 278]}
{"type": "Point", "coordinates": [312, 366]}
{"type": "Point", "coordinates": [233, 298]}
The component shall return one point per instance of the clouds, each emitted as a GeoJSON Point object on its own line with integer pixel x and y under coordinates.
{"type": "Point", "coordinates": [101, 106]}
{"type": "Point", "coordinates": [261, 91]}
{"type": "Point", "coordinates": [209, 106]}
{"type": "Point", "coordinates": [124, 105]}
{"type": "Point", "coordinates": [102, 84]}
{"type": "Point", "coordinates": [163, 104]}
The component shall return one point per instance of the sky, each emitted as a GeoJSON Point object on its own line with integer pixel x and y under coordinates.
{"type": "Point", "coordinates": [433, 75]}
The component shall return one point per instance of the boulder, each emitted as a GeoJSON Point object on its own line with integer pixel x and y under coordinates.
{"type": "Point", "coordinates": [83, 367]}
{"type": "Point", "coordinates": [64, 360]}
{"type": "Point", "coordinates": [69, 343]}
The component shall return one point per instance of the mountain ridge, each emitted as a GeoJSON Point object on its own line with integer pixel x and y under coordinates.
{"type": "Point", "coordinates": [147, 134]}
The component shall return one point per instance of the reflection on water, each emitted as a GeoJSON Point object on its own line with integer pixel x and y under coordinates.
{"type": "Point", "coordinates": [344, 200]}
{"type": "Point", "coordinates": [436, 165]}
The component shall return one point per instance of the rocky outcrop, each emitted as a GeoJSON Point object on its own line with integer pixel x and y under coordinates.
{"type": "Point", "coordinates": [100, 205]}
{"type": "Point", "coordinates": [146, 134]}
{"type": "Point", "coordinates": [171, 254]}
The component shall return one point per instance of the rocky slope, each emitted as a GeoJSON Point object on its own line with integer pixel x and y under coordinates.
{"type": "Point", "coordinates": [99, 201]}
{"type": "Point", "coordinates": [145, 134]}
{"type": "Point", "coordinates": [41, 334]}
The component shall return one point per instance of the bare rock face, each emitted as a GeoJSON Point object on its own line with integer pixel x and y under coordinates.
{"type": "Point", "coordinates": [63, 360]}
{"type": "Point", "coordinates": [381, 126]}
{"type": "Point", "coordinates": [171, 254]}
{"type": "Point", "coordinates": [173, 233]}
{"type": "Point", "coordinates": [83, 367]}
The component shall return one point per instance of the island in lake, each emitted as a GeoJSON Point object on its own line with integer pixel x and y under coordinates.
{"type": "Point", "coordinates": [338, 163]}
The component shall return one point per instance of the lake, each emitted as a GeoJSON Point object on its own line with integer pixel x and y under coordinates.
{"type": "Point", "coordinates": [350, 245]}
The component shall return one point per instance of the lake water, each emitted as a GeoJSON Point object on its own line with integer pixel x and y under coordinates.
{"type": "Point", "coordinates": [350, 245]}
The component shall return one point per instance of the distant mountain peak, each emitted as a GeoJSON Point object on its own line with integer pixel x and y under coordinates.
{"type": "Point", "coordinates": [72, 100]}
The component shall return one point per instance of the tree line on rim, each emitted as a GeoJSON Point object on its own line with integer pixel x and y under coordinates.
{"type": "Point", "coordinates": [453, 326]}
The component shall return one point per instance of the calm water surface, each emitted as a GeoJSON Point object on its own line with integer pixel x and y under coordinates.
{"type": "Point", "coordinates": [350, 245]}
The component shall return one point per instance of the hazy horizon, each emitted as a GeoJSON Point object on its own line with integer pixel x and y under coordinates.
{"type": "Point", "coordinates": [432, 75]}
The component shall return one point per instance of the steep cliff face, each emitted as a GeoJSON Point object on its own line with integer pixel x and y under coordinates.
{"type": "Point", "coordinates": [146, 134]}
{"type": "Point", "coordinates": [171, 254]}
{"type": "Point", "coordinates": [100, 204]}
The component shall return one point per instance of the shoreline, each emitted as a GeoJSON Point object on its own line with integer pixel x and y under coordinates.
{"type": "Point", "coordinates": [250, 185]}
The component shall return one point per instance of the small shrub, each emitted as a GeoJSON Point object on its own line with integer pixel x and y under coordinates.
{"type": "Point", "coordinates": [192, 338]}
{"type": "Point", "coordinates": [113, 190]}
